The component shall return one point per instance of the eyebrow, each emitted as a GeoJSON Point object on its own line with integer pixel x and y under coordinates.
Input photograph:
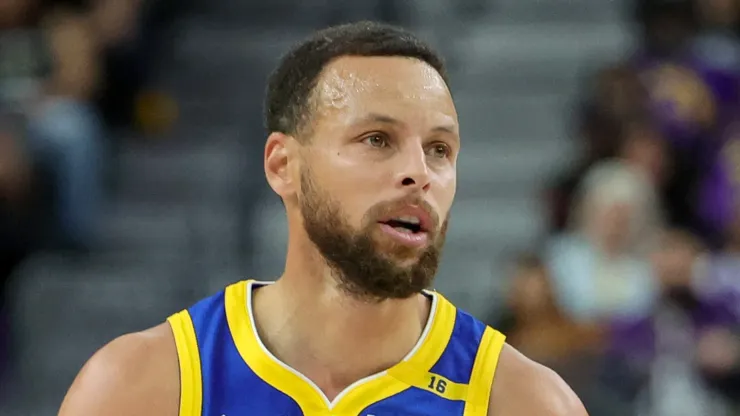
{"type": "Point", "coordinates": [386, 119]}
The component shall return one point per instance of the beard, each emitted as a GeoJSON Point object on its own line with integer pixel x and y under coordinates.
{"type": "Point", "coordinates": [365, 267]}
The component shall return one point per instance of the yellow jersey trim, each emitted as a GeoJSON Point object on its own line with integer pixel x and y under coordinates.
{"type": "Point", "coordinates": [443, 322]}
{"type": "Point", "coordinates": [379, 388]}
{"type": "Point", "coordinates": [360, 395]}
{"type": "Point", "coordinates": [484, 371]}
{"type": "Point", "coordinates": [274, 374]}
{"type": "Point", "coordinates": [431, 382]}
{"type": "Point", "coordinates": [188, 356]}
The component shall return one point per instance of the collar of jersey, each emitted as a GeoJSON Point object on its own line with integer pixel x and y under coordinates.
{"type": "Point", "coordinates": [355, 398]}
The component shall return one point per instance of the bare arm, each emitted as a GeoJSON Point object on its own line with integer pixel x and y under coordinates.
{"type": "Point", "coordinates": [136, 374]}
{"type": "Point", "coordinates": [523, 387]}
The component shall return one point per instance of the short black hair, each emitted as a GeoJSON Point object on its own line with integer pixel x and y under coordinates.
{"type": "Point", "coordinates": [287, 103]}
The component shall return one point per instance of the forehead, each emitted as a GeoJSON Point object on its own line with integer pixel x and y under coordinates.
{"type": "Point", "coordinates": [403, 88]}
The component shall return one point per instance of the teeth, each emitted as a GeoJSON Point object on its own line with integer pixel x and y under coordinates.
{"type": "Point", "coordinates": [409, 219]}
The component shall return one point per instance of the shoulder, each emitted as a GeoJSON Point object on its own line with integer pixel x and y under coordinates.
{"type": "Point", "coordinates": [135, 374]}
{"type": "Point", "coordinates": [523, 387]}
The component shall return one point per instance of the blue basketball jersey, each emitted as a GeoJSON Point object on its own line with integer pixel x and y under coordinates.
{"type": "Point", "coordinates": [225, 370]}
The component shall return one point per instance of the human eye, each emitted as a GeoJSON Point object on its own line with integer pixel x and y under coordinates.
{"type": "Point", "coordinates": [439, 150]}
{"type": "Point", "coordinates": [376, 140]}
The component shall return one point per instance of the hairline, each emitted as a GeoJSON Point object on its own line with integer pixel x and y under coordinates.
{"type": "Point", "coordinates": [304, 129]}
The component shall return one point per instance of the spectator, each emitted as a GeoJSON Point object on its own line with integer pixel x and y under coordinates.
{"type": "Point", "coordinates": [130, 37]}
{"type": "Point", "coordinates": [681, 100]}
{"type": "Point", "coordinates": [14, 185]}
{"type": "Point", "coordinates": [14, 172]}
{"type": "Point", "coordinates": [693, 90]}
{"type": "Point", "coordinates": [719, 352]}
{"type": "Point", "coordinates": [718, 359]}
{"type": "Point", "coordinates": [666, 27]}
{"type": "Point", "coordinates": [619, 93]}
{"type": "Point", "coordinates": [15, 195]}
{"type": "Point", "coordinates": [614, 95]}
{"type": "Point", "coordinates": [49, 73]}
{"type": "Point", "coordinates": [723, 272]}
{"type": "Point", "coordinates": [643, 146]}
{"type": "Point", "coordinates": [659, 348]}
{"type": "Point", "coordinates": [599, 267]}
{"type": "Point", "coordinates": [717, 50]}
{"type": "Point", "coordinates": [718, 190]}
{"type": "Point", "coordinates": [690, 64]}
{"type": "Point", "coordinates": [535, 324]}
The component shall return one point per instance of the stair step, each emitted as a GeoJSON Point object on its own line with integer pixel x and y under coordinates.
{"type": "Point", "coordinates": [234, 44]}
{"type": "Point", "coordinates": [520, 57]}
{"type": "Point", "coordinates": [207, 170]}
{"type": "Point", "coordinates": [144, 227]}
{"type": "Point", "coordinates": [276, 12]}
{"type": "Point", "coordinates": [500, 219]}
{"type": "Point", "coordinates": [539, 12]}
{"type": "Point", "coordinates": [492, 117]}
{"type": "Point", "coordinates": [510, 168]}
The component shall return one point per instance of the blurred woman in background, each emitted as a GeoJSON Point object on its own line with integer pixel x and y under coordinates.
{"type": "Point", "coordinates": [600, 267]}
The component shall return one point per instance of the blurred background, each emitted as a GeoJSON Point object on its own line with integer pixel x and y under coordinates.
{"type": "Point", "coordinates": [597, 221]}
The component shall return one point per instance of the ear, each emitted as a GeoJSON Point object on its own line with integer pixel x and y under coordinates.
{"type": "Point", "coordinates": [278, 160]}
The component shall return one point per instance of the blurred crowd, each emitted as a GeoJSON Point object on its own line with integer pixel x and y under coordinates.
{"type": "Point", "coordinates": [72, 73]}
{"type": "Point", "coordinates": [635, 294]}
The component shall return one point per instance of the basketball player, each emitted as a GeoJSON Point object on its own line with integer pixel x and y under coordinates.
{"type": "Point", "coordinates": [363, 148]}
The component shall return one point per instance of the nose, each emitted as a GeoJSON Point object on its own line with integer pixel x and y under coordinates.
{"type": "Point", "coordinates": [413, 171]}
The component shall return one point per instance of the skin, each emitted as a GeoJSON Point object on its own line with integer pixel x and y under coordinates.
{"type": "Point", "coordinates": [75, 52]}
{"type": "Point", "coordinates": [360, 157]}
{"type": "Point", "coordinates": [72, 44]}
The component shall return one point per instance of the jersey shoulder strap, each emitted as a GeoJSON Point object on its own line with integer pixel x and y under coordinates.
{"type": "Point", "coordinates": [484, 373]}
{"type": "Point", "coordinates": [188, 355]}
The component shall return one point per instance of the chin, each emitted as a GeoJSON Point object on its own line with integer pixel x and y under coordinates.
{"type": "Point", "coordinates": [399, 252]}
{"type": "Point", "coordinates": [403, 259]}
{"type": "Point", "coordinates": [406, 262]}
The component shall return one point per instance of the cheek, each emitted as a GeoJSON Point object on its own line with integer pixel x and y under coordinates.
{"type": "Point", "coordinates": [444, 193]}
{"type": "Point", "coordinates": [353, 200]}
{"type": "Point", "coordinates": [353, 188]}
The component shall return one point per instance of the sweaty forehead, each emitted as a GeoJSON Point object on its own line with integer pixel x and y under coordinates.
{"type": "Point", "coordinates": [365, 84]}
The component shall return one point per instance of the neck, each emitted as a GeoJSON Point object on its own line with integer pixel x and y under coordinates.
{"type": "Point", "coordinates": [310, 324]}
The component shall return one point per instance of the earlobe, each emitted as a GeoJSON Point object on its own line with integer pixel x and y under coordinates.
{"type": "Point", "coordinates": [277, 158]}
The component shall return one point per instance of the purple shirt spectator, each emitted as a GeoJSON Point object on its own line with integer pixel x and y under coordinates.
{"type": "Point", "coordinates": [718, 192]}
{"type": "Point", "coordinates": [690, 96]}
{"type": "Point", "coordinates": [713, 302]}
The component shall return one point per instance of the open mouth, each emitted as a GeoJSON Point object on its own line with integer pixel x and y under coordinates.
{"type": "Point", "coordinates": [404, 226]}
{"type": "Point", "coordinates": [408, 229]}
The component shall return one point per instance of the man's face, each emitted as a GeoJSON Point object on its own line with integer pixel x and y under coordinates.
{"type": "Point", "coordinates": [378, 173]}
